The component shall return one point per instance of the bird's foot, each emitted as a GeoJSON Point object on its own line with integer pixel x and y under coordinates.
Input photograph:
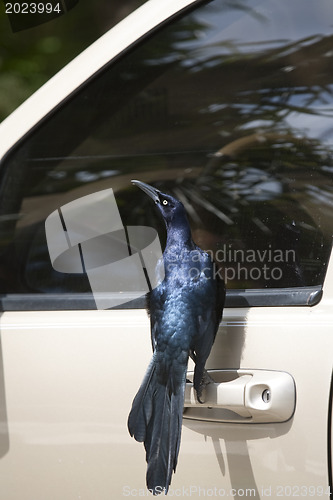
{"type": "Point", "coordinates": [206, 379]}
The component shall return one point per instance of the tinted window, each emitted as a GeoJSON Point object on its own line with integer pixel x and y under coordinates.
{"type": "Point", "coordinates": [229, 108]}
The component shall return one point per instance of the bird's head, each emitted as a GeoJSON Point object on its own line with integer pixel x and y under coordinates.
{"type": "Point", "coordinates": [169, 207]}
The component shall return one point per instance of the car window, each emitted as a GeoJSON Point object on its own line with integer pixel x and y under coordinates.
{"type": "Point", "coordinates": [229, 108]}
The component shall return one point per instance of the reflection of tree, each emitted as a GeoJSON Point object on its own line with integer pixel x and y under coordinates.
{"type": "Point", "coordinates": [256, 184]}
{"type": "Point", "coordinates": [268, 85]}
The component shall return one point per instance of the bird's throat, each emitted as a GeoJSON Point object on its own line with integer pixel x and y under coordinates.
{"type": "Point", "coordinates": [179, 235]}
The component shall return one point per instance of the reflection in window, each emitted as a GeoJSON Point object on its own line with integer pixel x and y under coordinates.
{"type": "Point", "coordinates": [229, 109]}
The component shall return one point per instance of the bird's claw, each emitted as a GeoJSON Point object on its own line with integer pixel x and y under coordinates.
{"type": "Point", "coordinates": [206, 379]}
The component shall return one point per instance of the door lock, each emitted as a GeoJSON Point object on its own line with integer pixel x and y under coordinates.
{"type": "Point", "coordinates": [266, 396]}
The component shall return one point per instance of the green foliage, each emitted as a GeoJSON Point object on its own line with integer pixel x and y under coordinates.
{"type": "Point", "coordinates": [30, 57]}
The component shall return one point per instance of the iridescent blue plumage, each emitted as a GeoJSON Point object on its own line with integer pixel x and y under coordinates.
{"type": "Point", "coordinates": [185, 312]}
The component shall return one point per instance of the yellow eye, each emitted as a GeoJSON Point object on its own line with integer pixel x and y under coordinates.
{"type": "Point", "coordinates": [165, 202]}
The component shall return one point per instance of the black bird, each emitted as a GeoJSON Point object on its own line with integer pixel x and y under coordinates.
{"type": "Point", "coordinates": [185, 312]}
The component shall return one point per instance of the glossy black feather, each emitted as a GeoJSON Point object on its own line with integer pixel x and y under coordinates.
{"type": "Point", "coordinates": [185, 312]}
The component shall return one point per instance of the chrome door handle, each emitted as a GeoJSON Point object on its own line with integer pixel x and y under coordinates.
{"type": "Point", "coordinates": [248, 396]}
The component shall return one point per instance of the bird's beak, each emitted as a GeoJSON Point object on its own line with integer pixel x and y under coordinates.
{"type": "Point", "coordinates": [149, 190]}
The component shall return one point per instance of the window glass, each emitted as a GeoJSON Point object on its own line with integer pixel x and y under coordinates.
{"type": "Point", "coordinates": [230, 109]}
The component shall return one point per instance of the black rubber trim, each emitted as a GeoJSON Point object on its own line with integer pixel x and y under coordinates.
{"type": "Point", "coordinates": [272, 297]}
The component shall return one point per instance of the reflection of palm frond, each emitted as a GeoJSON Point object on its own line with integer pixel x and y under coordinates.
{"type": "Point", "coordinates": [196, 198]}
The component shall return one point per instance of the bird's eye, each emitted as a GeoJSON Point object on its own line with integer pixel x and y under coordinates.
{"type": "Point", "coordinates": [165, 202]}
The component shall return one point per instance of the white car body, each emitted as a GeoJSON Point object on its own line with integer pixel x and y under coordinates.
{"type": "Point", "coordinates": [67, 378]}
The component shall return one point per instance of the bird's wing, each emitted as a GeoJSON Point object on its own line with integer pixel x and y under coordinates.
{"type": "Point", "coordinates": [208, 317]}
{"type": "Point", "coordinates": [157, 297]}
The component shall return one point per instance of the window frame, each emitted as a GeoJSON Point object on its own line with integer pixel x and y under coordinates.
{"type": "Point", "coordinates": [307, 296]}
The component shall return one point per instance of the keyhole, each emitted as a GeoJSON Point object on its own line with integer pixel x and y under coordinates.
{"type": "Point", "coordinates": [266, 396]}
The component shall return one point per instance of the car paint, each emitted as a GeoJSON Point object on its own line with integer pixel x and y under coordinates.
{"type": "Point", "coordinates": [70, 378]}
{"type": "Point", "coordinates": [67, 378]}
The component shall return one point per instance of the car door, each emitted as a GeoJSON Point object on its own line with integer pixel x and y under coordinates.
{"type": "Point", "coordinates": [228, 107]}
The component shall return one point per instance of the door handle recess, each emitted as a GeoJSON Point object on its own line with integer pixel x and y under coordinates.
{"type": "Point", "coordinates": [243, 396]}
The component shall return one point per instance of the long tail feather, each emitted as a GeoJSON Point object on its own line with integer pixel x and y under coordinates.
{"type": "Point", "coordinates": [140, 414]}
{"type": "Point", "coordinates": [156, 419]}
